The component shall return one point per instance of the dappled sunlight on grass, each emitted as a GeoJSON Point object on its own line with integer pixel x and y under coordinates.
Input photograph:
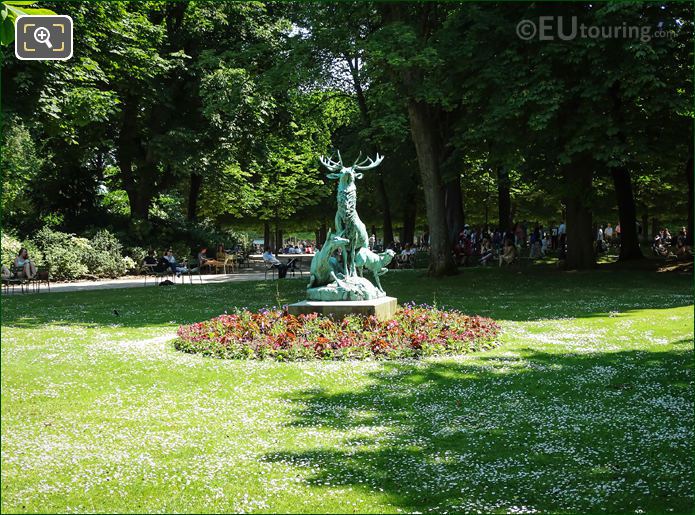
{"type": "Point", "coordinates": [586, 406]}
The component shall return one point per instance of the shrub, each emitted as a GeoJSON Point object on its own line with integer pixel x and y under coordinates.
{"type": "Point", "coordinates": [130, 264]}
{"type": "Point", "coordinates": [11, 246]}
{"type": "Point", "coordinates": [64, 253]}
{"type": "Point", "coordinates": [103, 258]}
{"type": "Point", "coordinates": [137, 254]}
{"type": "Point", "coordinates": [415, 331]}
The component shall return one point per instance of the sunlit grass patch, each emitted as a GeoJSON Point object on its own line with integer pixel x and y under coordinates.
{"type": "Point", "coordinates": [585, 406]}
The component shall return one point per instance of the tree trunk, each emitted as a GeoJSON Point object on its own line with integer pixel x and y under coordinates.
{"type": "Point", "coordinates": [645, 226]}
{"type": "Point", "coordinates": [353, 65]}
{"type": "Point", "coordinates": [453, 202]}
{"type": "Point", "coordinates": [278, 238]}
{"type": "Point", "coordinates": [193, 194]}
{"type": "Point", "coordinates": [409, 217]}
{"type": "Point", "coordinates": [385, 211]}
{"type": "Point", "coordinates": [627, 214]}
{"type": "Point", "coordinates": [137, 172]}
{"type": "Point", "coordinates": [423, 132]}
{"type": "Point", "coordinates": [689, 176]}
{"type": "Point", "coordinates": [266, 235]}
{"type": "Point", "coordinates": [580, 238]}
{"type": "Point", "coordinates": [140, 204]}
{"type": "Point", "coordinates": [655, 227]}
{"type": "Point", "coordinates": [504, 200]}
{"type": "Point", "coordinates": [323, 232]}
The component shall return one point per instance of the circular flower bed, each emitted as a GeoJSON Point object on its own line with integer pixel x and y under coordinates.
{"type": "Point", "coordinates": [416, 330]}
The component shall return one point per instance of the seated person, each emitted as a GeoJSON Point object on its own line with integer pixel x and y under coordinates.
{"type": "Point", "coordinates": [24, 265]}
{"type": "Point", "coordinates": [149, 258]}
{"type": "Point", "coordinates": [508, 254]}
{"type": "Point", "coordinates": [203, 256]}
{"type": "Point", "coordinates": [175, 267]}
{"type": "Point", "coordinates": [546, 245]}
{"type": "Point", "coordinates": [269, 258]}
{"type": "Point", "coordinates": [221, 254]}
{"type": "Point", "coordinates": [6, 274]}
{"type": "Point", "coordinates": [659, 247]}
{"type": "Point", "coordinates": [485, 252]}
{"type": "Point", "coordinates": [162, 265]}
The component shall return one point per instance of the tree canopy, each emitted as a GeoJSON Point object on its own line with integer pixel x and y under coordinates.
{"type": "Point", "coordinates": [215, 113]}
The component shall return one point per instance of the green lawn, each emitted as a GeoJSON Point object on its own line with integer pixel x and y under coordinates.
{"type": "Point", "coordinates": [587, 406]}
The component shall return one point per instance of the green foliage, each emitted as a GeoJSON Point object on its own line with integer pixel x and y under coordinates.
{"type": "Point", "coordinates": [21, 165]}
{"type": "Point", "coordinates": [64, 253]}
{"type": "Point", "coordinates": [104, 256]}
{"type": "Point", "coordinates": [11, 246]}
{"type": "Point", "coordinates": [10, 11]}
{"type": "Point", "coordinates": [70, 257]}
{"type": "Point", "coordinates": [136, 254]}
{"type": "Point", "coordinates": [217, 111]}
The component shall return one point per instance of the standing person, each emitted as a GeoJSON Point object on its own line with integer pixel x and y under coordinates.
{"type": "Point", "coordinates": [553, 240]}
{"type": "Point", "coordinates": [599, 239]}
{"type": "Point", "coordinates": [24, 265]}
{"type": "Point", "coordinates": [682, 247]}
{"type": "Point", "coordinates": [497, 240]}
{"type": "Point", "coordinates": [372, 241]}
{"type": "Point", "coordinates": [561, 232]}
{"type": "Point", "coordinates": [608, 234]}
{"type": "Point", "coordinates": [519, 235]}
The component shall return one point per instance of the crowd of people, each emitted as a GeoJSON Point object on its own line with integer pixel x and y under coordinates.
{"type": "Point", "coordinates": [665, 245]}
{"type": "Point", "coordinates": [474, 245]}
{"type": "Point", "coordinates": [483, 245]}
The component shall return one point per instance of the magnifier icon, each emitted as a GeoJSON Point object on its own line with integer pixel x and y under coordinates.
{"type": "Point", "coordinates": [43, 36]}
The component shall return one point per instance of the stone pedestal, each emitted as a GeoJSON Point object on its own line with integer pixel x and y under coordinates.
{"type": "Point", "coordinates": [383, 308]}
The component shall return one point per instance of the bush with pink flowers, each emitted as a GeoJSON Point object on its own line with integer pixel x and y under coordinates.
{"type": "Point", "coordinates": [415, 331]}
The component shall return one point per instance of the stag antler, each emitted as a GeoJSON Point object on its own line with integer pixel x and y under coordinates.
{"type": "Point", "coordinates": [369, 163]}
{"type": "Point", "coordinates": [333, 166]}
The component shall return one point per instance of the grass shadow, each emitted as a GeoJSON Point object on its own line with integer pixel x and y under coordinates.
{"type": "Point", "coordinates": [531, 293]}
{"type": "Point", "coordinates": [609, 432]}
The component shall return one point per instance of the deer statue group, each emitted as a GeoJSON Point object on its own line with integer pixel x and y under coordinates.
{"type": "Point", "coordinates": [348, 226]}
